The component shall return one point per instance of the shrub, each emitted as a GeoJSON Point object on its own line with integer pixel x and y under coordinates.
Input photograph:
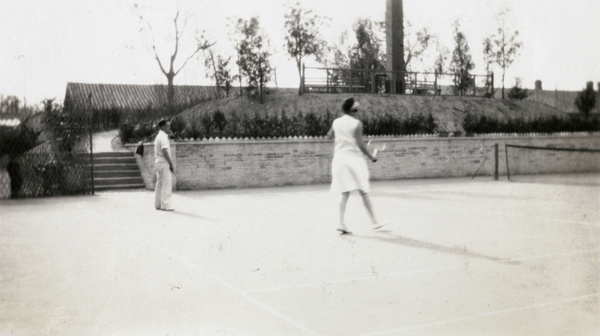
{"type": "Point", "coordinates": [219, 121]}
{"type": "Point", "coordinates": [15, 141]}
{"type": "Point", "coordinates": [552, 124]}
{"type": "Point", "coordinates": [126, 131]}
{"type": "Point", "coordinates": [516, 92]}
{"type": "Point", "coordinates": [586, 100]}
{"type": "Point", "coordinates": [178, 127]}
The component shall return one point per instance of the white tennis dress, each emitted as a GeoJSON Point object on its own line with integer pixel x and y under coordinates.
{"type": "Point", "coordinates": [349, 168]}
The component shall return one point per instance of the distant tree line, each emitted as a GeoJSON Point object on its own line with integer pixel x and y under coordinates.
{"type": "Point", "coordinates": [303, 40]}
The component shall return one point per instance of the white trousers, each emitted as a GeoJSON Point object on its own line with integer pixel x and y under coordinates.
{"type": "Point", "coordinates": [163, 188]}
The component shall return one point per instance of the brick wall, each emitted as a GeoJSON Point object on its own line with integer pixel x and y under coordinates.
{"type": "Point", "coordinates": [211, 164]}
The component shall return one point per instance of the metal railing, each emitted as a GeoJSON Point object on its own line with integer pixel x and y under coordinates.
{"type": "Point", "coordinates": [340, 80]}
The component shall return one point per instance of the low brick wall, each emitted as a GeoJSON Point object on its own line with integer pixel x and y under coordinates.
{"type": "Point", "coordinates": [212, 164]}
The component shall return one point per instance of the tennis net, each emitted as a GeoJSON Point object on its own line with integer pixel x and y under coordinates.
{"type": "Point", "coordinates": [553, 164]}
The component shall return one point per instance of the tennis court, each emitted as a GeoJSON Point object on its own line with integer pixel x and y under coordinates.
{"type": "Point", "coordinates": [460, 257]}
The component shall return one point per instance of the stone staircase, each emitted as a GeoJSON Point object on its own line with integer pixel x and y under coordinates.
{"type": "Point", "coordinates": [116, 171]}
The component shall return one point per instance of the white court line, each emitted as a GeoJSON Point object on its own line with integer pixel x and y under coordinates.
{"type": "Point", "coordinates": [427, 270]}
{"type": "Point", "coordinates": [476, 316]}
{"type": "Point", "coordinates": [207, 273]}
{"type": "Point", "coordinates": [552, 219]}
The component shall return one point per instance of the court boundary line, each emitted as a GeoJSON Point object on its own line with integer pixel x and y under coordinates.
{"type": "Point", "coordinates": [491, 209]}
{"type": "Point", "coordinates": [427, 270]}
{"type": "Point", "coordinates": [476, 316]}
{"type": "Point", "coordinates": [192, 265]}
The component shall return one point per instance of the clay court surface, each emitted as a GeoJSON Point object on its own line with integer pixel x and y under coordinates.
{"type": "Point", "coordinates": [460, 257]}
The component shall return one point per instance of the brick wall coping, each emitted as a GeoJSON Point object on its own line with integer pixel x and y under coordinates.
{"type": "Point", "coordinates": [292, 139]}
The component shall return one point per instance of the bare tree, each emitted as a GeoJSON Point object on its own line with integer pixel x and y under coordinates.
{"type": "Point", "coordinates": [170, 71]}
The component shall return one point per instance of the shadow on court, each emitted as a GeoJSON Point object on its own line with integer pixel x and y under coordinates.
{"type": "Point", "coordinates": [391, 238]}
{"type": "Point", "coordinates": [192, 215]}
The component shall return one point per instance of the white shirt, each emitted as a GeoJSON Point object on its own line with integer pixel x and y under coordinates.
{"type": "Point", "coordinates": [161, 142]}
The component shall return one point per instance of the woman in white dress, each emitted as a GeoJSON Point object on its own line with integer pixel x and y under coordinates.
{"type": "Point", "coordinates": [349, 168]}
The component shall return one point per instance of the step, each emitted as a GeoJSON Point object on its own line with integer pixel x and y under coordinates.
{"type": "Point", "coordinates": [117, 181]}
{"type": "Point", "coordinates": [117, 173]}
{"type": "Point", "coordinates": [119, 187]}
{"type": "Point", "coordinates": [128, 159]}
{"type": "Point", "coordinates": [115, 167]}
{"type": "Point", "coordinates": [114, 155]}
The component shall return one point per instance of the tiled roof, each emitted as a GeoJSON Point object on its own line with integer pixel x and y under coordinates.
{"type": "Point", "coordinates": [130, 96]}
{"type": "Point", "coordinates": [561, 100]}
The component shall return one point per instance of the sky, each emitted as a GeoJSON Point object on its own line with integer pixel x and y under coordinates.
{"type": "Point", "coordinates": [44, 44]}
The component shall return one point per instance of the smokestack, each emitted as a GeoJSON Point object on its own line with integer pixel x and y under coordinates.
{"type": "Point", "coordinates": [394, 31]}
{"type": "Point", "coordinates": [538, 85]}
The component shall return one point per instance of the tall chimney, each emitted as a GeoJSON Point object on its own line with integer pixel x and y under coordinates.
{"type": "Point", "coordinates": [538, 85]}
{"type": "Point", "coordinates": [394, 36]}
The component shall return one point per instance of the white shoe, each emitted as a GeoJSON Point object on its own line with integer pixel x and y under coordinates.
{"type": "Point", "coordinates": [379, 225]}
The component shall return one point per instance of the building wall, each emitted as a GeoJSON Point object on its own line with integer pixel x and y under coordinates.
{"type": "Point", "coordinates": [217, 164]}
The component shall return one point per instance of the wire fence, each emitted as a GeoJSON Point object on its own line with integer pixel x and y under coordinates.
{"type": "Point", "coordinates": [48, 153]}
{"type": "Point", "coordinates": [60, 165]}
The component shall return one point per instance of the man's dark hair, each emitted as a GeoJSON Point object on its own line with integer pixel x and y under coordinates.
{"type": "Point", "coordinates": [162, 123]}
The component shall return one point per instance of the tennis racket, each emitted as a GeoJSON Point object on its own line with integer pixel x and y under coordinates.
{"type": "Point", "coordinates": [377, 149]}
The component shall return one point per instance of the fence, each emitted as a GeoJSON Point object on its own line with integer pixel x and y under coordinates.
{"type": "Point", "coordinates": [339, 80]}
{"type": "Point", "coordinates": [46, 154]}
{"type": "Point", "coordinates": [60, 165]}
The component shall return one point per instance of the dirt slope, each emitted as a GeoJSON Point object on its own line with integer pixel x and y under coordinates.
{"type": "Point", "coordinates": [448, 111]}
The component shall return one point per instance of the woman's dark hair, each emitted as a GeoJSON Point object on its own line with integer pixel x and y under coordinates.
{"type": "Point", "coordinates": [162, 123]}
{"type": "Point", "coordinates": [347, 104]}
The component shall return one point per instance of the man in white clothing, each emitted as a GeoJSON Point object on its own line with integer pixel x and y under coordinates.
{"type": "Point", "coordinates": [164, 167]}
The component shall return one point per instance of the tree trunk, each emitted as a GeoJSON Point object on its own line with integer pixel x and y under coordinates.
{"type": "Point", "coordinates": [170, 94]}
{"type": "Point", "coordinates": [502, 84]}
{"type": "Point", "coordinates": [212, 60]}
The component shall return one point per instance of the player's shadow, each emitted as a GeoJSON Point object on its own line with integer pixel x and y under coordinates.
{"type": "Point", "coordinates": [192, 215]}
{"type": "Point", "coordinates": [388, 237]}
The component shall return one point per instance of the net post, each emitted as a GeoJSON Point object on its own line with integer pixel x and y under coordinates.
{"type": "Point", "coordinates": [506, 156]}
{"type": "Point", "coordinates": [496, 162]}
{"type": "Point", "coordinates": [91, 135]}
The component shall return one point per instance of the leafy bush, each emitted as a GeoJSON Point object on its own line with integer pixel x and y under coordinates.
{"type": "Point", "coordinates": [178, 126]}
{"type": "Point", "coordinates": [15, 141]}
{"type": "Point", "coordinates": [126, 131]}
{"type": "Point", "coordinates": [219, 121]}
{"type": "Point", "coordinates": [553, 124]}
{"type": "Point", "coordinates": [517, 92]}
{"type": "Point", "coordinates": [586, 100]}
{"type": "Point", "coordinates": [259, 125]}
{"type": "Point", "coordinates": [389, 124]}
